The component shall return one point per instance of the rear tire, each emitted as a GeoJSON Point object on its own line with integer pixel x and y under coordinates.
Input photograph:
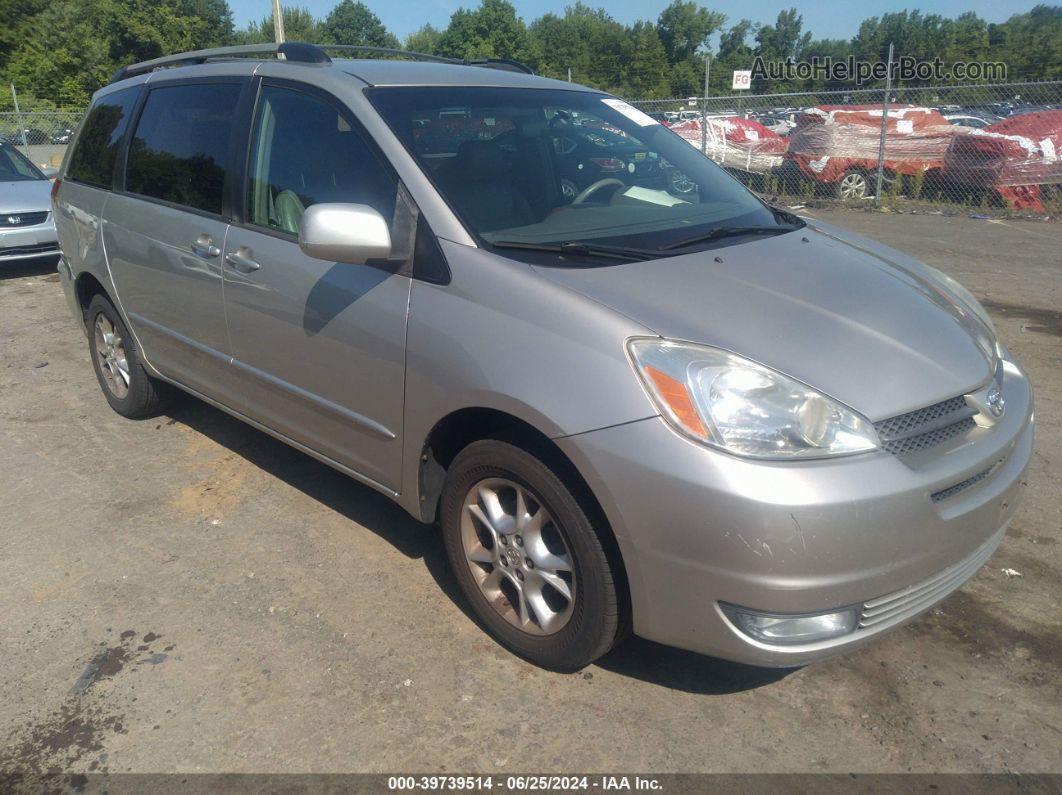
{"type": "Point", "coordinates": [527, 557]}
{"type": "Point", "coordinates": [119, 369]}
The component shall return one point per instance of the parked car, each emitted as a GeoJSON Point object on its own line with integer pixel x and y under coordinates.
{"type": "Point", "coordinates": [838, 146]}
{"type": "Point", "coordinates": [742, 146]}
{"type": "Point", "coordinates": [27, 230]}
{"type": "Point", "coordinates": [967, 120]}
{"type": "Point", "coordinates": [1016, 159]}
{"type": "Point", "coordinates": [29, 136]}
{"type": "Point", "coordinates": [780, 123]}
{"type": "Point", "coordinates": [702, 419]}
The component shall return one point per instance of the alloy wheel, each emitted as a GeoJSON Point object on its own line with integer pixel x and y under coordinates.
{"type": "Point", "coordinates": [518, 556]}
{"type": "Point", "coordinates": [110, 354]}
{"type": "Point", "coordinates": [853, 186]}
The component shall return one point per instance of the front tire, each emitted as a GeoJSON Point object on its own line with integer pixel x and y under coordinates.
{"type": "Point", "coordinates": [527, 557]}
{"type": "Point", "coordinates": [853, 185]}
{"type": "Point", "coordinates": [129, 390]}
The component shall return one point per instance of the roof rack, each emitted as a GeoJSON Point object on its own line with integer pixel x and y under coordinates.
{"type": "Point", "coordinates": [505, 64]}
{"type": "Point", "coordinates": [290, 50]}
{"type": "Point", "coordinates": [301, 52]}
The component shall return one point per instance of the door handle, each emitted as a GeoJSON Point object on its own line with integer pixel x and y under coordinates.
{"type": "Point", "coordinates": [204, 247]}
{"type": "Point", "coordinates": [241, 263]}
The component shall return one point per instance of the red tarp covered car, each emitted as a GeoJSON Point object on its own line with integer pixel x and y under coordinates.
{"type": "Point", "coordinates": [1015, 157]}
{"type": "Point", "coordinates": [838, 144]}
{"type": "Point", "coordinates": [737, 143]}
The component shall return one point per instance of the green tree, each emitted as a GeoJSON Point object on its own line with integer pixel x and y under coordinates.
{"type": "Point", "coordinates": [491, 31]}
{"type": "Point", "coordinates": [77, 44]}
{"type": "Point", "coordinates": [1030, 44]}
{"type": "Point", "coordinates": [15, 15]}
{"type": "Point", "coordinates": [734, 53]}
{"type": "Point", "coordinates": [424, 40]}
{"type": "Point", "coordinates": [299, 25]}
{"type": "Point", "coordinates": [586, 40]}
{"type": "Point", "coordinates": [784, 39]}
{"type": "Point", "coordinates": [684, 27]}
{"type": "Point", "coordinates": [644, 70]}
{"type": "Point", "coordinates": [353, 23]}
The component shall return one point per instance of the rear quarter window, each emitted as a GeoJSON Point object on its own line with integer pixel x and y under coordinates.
{"type": "Point", "coordinates": [179, 151]}
{"type": "Point", "coordinates": [96, 150]}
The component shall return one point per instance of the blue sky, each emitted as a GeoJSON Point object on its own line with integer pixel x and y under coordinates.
{"type": "Point", "coordinates": [823, 19]}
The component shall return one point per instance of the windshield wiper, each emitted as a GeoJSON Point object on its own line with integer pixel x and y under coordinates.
{"type": "Point", "coordinates": [728, 231]}
{"type": "Point", "coordinates": [577, 248]}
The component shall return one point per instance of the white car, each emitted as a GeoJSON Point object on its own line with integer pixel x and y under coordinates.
{"type": "Point", "coordinates": [27, 229]}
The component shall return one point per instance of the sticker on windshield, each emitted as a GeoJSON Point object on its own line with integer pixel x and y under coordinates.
{"type": "Point", "coordinates": [630, 112]}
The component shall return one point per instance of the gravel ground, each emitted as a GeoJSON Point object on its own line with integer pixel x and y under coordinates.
{"type": "Point", "coordinates": [187, 594]}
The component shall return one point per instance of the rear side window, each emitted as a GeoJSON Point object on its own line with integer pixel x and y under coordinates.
{"type": "Point", "coordinates": [93, 158]}
{"type": "Point", "coordinates": [179, 151]}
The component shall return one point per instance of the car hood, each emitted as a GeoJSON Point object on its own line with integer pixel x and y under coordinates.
{"type": "Point", "coordinates": [23, 196]}
{"type": "Point", "coordinates": [867, 325]}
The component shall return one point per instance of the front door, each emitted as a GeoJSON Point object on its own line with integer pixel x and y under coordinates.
{"type": "Point", "coordinates": [319, 346]}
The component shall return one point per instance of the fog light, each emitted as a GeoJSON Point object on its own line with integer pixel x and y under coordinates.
{"type": "Point", "coordinates": [781, 628]}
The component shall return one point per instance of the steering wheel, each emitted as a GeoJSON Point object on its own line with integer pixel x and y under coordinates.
{"type": "Point", "coordinates": [589, 190]}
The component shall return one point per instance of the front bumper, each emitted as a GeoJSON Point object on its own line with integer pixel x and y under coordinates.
{"type": "Point", "coordinates": [28, 242]}
{"type": "Point", "coordinates": [697, 527]}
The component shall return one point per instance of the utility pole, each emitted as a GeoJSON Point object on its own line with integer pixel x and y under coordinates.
{"type": "Point", "coordinates": [18, 116]}
{"type": "Point", "coordinates": [884, 121]}
{"type": "Point", "coordinates": [704, 108]}
{"type": "Point", "coordinates": [278, 22]}
{"type": "Point", "coordinates": [569, 74]}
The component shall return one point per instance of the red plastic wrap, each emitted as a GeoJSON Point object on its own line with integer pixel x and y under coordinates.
{"type": "Point", "coordinates": [831, 139]}
{"type": "Point", "coordinates": [1021, 150]}
{"type": "Point", "coordinates": [737, 143]}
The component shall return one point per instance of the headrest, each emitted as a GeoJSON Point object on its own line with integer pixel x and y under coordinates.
{"type": "Point", "coordinates": [480, 161]}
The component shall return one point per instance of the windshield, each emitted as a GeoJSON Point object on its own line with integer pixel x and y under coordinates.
{"type": "Point", "coordinates": [550, 167]}
{"type": "Point", "coordinates": [16, 168]}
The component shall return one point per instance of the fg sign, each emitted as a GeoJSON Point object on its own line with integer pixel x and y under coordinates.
{"type": "Point", "coordinates": [742, 79]}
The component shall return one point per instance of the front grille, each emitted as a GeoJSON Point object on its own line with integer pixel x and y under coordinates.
{"type": "Point", "coordinates": [916, 598]}
{"type": "Point", "coordinates": [926, 427]}
{"type": "Point", "coordinates": [40, 248]}
{"type": "Point", "coordinates": [10, 220]}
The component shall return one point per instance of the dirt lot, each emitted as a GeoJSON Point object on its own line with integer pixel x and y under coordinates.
{"type": "Point", "coordinates": [187, 594]}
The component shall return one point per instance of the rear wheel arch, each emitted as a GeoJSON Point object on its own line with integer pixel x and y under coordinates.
{"type": "Point", "coordinates": [86, 287]}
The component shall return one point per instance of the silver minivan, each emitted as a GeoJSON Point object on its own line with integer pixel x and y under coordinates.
{"type": "Point", "coordinates": [655, 405]}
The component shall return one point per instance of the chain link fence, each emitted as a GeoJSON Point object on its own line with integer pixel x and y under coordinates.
{"type": "Point", "coordinates": [986, 148]}
{"type": "Point", "coordinates": [41, 136]}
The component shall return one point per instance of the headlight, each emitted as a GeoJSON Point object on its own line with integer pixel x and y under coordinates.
{"type": "Point", "coordinates": [729, 402]}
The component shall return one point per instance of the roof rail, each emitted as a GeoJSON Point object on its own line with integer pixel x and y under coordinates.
{"type": "Point", "coordinates": [422, 56]}
{"type": "Point", "coordinates": [300, 52]}
{"type": "Point", "coordinates": [290, 50]}
{"type": "Point", "coordinates": [505, 64]}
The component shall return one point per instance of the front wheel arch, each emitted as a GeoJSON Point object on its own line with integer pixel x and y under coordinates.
{"type": "Point", "coordinates": [457, 430]}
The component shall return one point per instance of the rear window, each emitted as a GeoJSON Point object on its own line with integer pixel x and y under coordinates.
{"type": "Point", "coordinates": [14, 167]}
{"type": "Point", "coordinates": [179, 151]}
{"type": "Point", "coordinates": [96, 151]}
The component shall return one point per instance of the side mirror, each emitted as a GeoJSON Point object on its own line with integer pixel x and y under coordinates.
{"type": "Point", "coordinates": [50, 173]}
{"type": "Point", "coordinates": [351, 233]}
